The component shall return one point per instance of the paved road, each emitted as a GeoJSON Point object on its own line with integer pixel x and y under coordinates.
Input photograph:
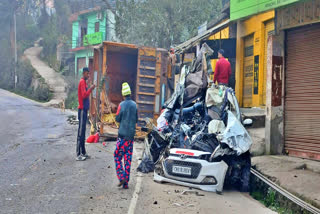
{"type": "Point", "coordinates": [39, 174]}
{"type": "Point", "coordinates": [38, 171]}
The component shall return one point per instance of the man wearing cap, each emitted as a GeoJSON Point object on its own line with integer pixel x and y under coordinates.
{"type": "Point", "coordinates": [222, 71]}
{"type": "Point", "coordinates": [83, 99]}
{"type": "Point", "coordinates": [127, 116]}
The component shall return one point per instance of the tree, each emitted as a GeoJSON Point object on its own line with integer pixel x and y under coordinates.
{"type": "Point", "coordinates": [162, 23]}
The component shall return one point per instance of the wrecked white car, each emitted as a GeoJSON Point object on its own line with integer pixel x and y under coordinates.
{"type": "Point", "coordinates": [200, 140]}
{"type": "Point", "coordinates": [190, 168]}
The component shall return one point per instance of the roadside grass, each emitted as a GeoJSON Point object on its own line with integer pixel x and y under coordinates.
{"type": "Point", "coordinates": [33, 95]}
{"type": "Point", "coordinates": [270, 200]}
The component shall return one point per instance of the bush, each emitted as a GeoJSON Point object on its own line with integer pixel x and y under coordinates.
{"type": "Point", "coordinates": [42, 93]}
{"type": "Point", "coordinates": [72, 100]}
{"type": "Point", "coordinates": [25, 73]}
{"type": "Point", "coordinates": [7, 65]}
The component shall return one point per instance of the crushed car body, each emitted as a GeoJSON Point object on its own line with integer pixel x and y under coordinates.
{"type": "Point", "coordinates": [190, 168]}
{"type": "Point", "coordinates": [200, 140]}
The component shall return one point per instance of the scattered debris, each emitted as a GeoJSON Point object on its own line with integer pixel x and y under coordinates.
{"type": "Point", "coordinates": [146, 165]}
{"type": "Point", "coordinates": [181, 205]}
{"type": "Point", "coordinates": [72, 119]}
{"type": "Point", "coordinates": [187, 192]}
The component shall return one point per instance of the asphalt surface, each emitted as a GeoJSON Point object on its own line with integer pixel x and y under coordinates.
{"type": "Point", "coordinates": [38, 170]}
{"type": "Point", "coordinates": [39, 173]}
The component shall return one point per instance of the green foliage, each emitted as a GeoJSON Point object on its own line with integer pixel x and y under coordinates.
{"type": "Point", "coordinates": [26, 74]}
{"type": "Point", "coordinates": [271, 200]}
{"type": "Point", "coordinates": [54, 30]}
{"type": "Point", "coordinates": [42, 93]}
{"type": "Point", "coordinates": [72, 100]}
{"type": "Point", "coordinates": [27, 32]}
{"type": "Point", "coordinates": [7, 65]}
{"type": "Point", "coordinates": [162, 23]}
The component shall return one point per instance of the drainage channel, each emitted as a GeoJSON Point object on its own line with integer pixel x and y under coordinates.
{"type": "Point", "coordinates": [304, 207]}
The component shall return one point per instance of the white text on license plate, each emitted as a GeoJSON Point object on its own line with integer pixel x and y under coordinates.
{"type": "Point", "coordinates": [181, 170]}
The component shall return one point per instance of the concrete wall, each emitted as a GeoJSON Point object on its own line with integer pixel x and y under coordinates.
{"type": "Point", "coordinates": [274, 93]}
{"type": "Point", "coordinates": [233, 34]}
{"type": "Point", "coordinates": [80, 54]}
{"type": "Point", "coordinates": [75, 33]}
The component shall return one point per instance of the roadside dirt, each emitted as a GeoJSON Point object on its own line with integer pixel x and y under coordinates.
{"type": "Point", "coordinates": [299, 176]}
{"type": "Point", "coordinates": [55, 81]}
{"type": "Point", "coordinates": [169, 198]}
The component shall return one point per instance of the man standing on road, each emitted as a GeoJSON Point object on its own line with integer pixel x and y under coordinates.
{"type": "Point", "coordinates": [127, 116]}
{"type": "Point", "coordinates": [222, 71]}
{"type": "Point", "coordinates": [83, 98]}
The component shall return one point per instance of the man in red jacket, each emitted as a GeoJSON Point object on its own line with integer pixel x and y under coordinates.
{"type": "Point", "coordinates": [222, 71]}
{"type": "Point", "coordinates": [83, 98]}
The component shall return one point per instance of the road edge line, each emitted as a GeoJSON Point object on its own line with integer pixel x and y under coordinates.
{"type": "Point", "coordinates": [135, 196]}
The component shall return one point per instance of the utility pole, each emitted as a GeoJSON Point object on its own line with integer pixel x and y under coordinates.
{"type": "Point", "coordinates": [15, 49]}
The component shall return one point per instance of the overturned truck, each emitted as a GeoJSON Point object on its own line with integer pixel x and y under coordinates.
{"type": "Point", "coordinates": [200, 140]}
{"type": "Point", "coordinates": [146, 69]}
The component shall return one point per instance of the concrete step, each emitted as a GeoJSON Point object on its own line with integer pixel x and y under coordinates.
{"type": "Point", "coordinates": [257, 115]}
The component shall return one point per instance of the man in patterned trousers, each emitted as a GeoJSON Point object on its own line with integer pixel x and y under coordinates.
{"type": "Point", "coordinates": [127, 116]}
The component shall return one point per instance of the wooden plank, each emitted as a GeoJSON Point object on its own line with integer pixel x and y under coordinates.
{"type": "Point", "coordinates": [120, 44]}
{"type": "Point", "coordinates": [146, 76]}
{"type": "Point", "coordinates": [146, 51]}
{"type": "Point", "coordinates": [103, 91]}
{"type": "Point", "coordinates": [144, 93]}
{"type": "Point", "coordinates": [147, 67]}
{"type": "Point", "coordinates": [145, 102]}
{"type": "Point", "coordinates": [147, 58]}
{"type": "Point", "coordinates": [146, 85]}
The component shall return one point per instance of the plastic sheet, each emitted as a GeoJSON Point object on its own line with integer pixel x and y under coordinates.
{"type": "Point", "coordinates": [235, 135]}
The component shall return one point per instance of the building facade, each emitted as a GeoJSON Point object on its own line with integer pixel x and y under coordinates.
{"type": "Point", "coordinates": [297, 44]}
{"type": "Point", "coordinates": [255, 22]}
{"type": "Point", "coordinates": [277, 67]}
{"type": "Point", "coordinates": [90, 27]}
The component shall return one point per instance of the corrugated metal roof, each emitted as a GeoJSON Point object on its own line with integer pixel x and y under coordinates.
{"type": "Point", "coordinates": [195, 40]}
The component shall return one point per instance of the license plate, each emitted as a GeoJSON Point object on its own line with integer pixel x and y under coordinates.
{"type": "Point", "coordinates": [181, 170]}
